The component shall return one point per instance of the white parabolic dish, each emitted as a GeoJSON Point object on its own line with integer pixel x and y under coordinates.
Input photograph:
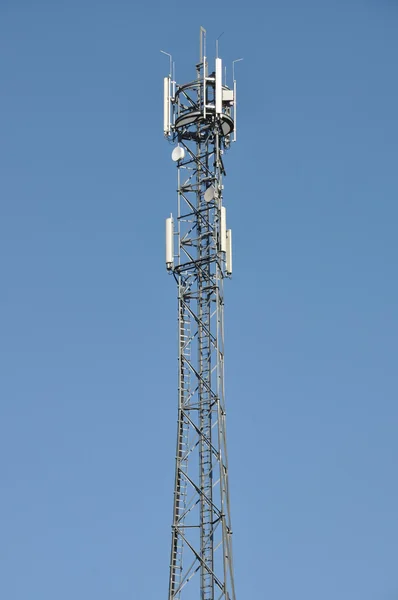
{"type": "Point", "coordinates": [178, 153]}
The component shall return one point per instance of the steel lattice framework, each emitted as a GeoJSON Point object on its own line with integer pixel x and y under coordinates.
{"type": "Point", "coordinates": [200, 121]}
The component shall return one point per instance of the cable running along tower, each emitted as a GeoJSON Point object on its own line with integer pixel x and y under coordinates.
{"type": "Point", "coordinates": [200, 121]}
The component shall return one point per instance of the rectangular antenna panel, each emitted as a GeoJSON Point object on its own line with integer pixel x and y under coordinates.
{"type": "Point", "coordinates": [235, 111]}
{"type": "Point", "coordinates": [228, 255]}
{"type": "Point", "coordinates": [218, 86]}
{"type": "Point", "coordinates": [223, 229]}
{"type": "Point", "coordinates": [169, 243]}
{"type": "Point", "coordinates": [166, 105]}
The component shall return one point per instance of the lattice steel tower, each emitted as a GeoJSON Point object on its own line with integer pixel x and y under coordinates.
{"type": "Point", "coordinates": [200, 120]}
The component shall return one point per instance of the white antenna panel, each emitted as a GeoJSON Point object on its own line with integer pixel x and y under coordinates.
{"type": "Point", "coordinates": [223, 229]}
{"type": "Point", "coordinates": [218, 86]}
{"type": "Point", "coordinates": [166, 105]}
{"type": "Point", "coordinates": [169, 243]}
{"type": "Point", "coordinates": [235, 111]}
{"type": "Point", "coordinates": [228, 254]}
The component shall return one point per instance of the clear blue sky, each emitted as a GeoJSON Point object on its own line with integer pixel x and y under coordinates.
{"type": "Point", "coordinates": [88, 313]}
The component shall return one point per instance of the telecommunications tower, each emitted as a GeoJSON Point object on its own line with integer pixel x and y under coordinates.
{"type": "Point", "coordinates": [200, 121]}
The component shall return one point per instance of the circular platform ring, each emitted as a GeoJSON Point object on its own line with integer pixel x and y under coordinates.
{"type": "Point", "coordinates": [193, 117]}
{"type": "Point", "coordinates": [188, 118]}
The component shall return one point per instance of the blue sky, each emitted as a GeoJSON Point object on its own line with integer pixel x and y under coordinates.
{"type": "Point", "coordinates": [88, 313]}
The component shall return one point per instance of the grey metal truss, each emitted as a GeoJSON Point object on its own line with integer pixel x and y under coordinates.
{"type": "Point", "coordinates": [201, 563]}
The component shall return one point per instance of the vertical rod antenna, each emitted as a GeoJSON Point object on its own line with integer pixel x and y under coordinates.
{"type": "Point", "coordinates": [202, 43]}
{"type": "Point", "coordinates": [221, 34]}
{"type": "Point", "coordinates": [170, 61]}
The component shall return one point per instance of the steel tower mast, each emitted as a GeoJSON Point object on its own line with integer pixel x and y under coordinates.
{"type": "Point", "coordinates": [199, 119]}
